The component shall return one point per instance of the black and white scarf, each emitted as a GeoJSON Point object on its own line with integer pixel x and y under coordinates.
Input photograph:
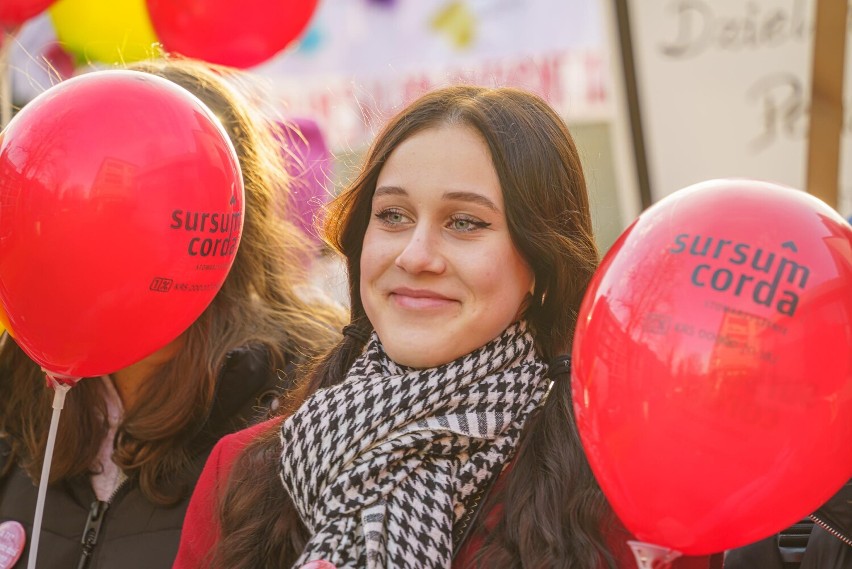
{"type": "Point", "coordinates": [383, 466]}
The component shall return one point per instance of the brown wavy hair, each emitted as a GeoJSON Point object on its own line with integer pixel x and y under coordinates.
{"type": "Point", "coordinates": [553, 509]}
{"type": "Point", "coordinates": [262, 303]}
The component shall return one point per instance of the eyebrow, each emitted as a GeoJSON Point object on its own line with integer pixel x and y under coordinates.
{"type": "Point", "coordinates": [389, 191]}
{"type": "Point", "coordinates": [470, 197]}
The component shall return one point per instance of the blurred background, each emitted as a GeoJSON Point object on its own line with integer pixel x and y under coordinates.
{"type": "Point", "coordinates": [659, 94]}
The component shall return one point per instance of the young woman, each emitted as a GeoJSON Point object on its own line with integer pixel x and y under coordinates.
{"type": "Point", "coordinates": [439, 432]}
{"type": "Point", "coordinates": [131, 446]}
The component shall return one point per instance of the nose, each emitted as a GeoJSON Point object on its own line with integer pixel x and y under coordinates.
{"type": "Point", "coordinates": [422, 253]}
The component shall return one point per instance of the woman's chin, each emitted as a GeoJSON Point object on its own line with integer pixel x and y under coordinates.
{"type": "Point", "coordinates": [418, 354]}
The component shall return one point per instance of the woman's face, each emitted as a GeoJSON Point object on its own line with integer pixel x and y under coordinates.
{"type": "Point", "coordinates": [440, 276]}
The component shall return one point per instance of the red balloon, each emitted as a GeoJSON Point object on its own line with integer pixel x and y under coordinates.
{"type": "Point", "coordinates": [236, 33]}
{"type": "Point", "coordinates": [712, 375]}
{"type": "Point", "coordinates": [15, 12]}
{"type": "Point", "coordinates": [121, 209]}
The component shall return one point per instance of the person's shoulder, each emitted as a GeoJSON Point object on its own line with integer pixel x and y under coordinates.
{"type": "Point", "coordinates": [220, 461]}
{"type": "Point", "coordinates": [239, 439]}
{"type": "Point", "coordinates": [231, 445]}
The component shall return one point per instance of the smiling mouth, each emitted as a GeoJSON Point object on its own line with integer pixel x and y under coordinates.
{"type": "Point", "coordinates": [420, 301]}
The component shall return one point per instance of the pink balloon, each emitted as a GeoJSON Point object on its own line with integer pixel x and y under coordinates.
{"type": "Point", "coordinates": [712, 376]}
{"type": "Point", "coordinates": [309, 165]}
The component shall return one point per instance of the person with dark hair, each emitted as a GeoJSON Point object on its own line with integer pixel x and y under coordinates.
{"type": "Point", "coordinates": [131, 445]}
{"type": "Point", "coordinates": [439, 432]}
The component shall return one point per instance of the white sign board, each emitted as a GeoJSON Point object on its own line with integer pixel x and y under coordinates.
{"type": "Point", "coordinates": [724, 90]}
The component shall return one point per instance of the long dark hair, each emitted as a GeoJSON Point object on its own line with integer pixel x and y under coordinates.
{"type": "Point", "coordinates": [260, 304]}
{"type": "Point", "coordinates": [552, 507]}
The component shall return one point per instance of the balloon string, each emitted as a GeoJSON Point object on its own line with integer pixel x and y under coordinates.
{"type": "Point", "coordinates": [650, 556]}
{"type": "Point", "coordinates": [6, 78]}
{"type": "Point", "coordinates": [59, 391]}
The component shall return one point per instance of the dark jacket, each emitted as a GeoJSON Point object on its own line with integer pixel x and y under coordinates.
{"type": "Point", "coordinates": [130, 532]}
{"type": "Point", "coordinates": [830, 544]}
{"type": "Point", "coordinates": [828, 547]}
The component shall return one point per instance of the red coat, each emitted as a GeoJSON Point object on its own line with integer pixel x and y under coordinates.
{"type": "Point", "coordinates": [200, 529]}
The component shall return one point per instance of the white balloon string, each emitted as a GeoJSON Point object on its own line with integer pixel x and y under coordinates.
{"type": "Point", "coordinates": [6, 78]}
{"type": "Point", "coordinates": [59, 391]}
{"type": "Point", "coordinates": [650, 556]}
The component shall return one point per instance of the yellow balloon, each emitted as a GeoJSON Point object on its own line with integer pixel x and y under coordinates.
{"type": "Point", "coordinates": [109, 31]}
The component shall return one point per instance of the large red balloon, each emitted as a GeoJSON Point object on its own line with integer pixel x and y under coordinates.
{"type": "Point", "coordinates": [239, 33]}
{"type": "Point", "coordinates": [121, 209]}
{"type": "Point", "coordinates": [15, 12]}
{"type": "Point", "coordinates": [712, 376]}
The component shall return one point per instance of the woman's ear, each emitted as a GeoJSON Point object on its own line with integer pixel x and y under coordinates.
{"type": "Point", "coordinates": [528, 300]}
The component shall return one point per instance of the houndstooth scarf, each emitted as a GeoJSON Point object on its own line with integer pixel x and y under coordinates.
{"type": "Point", "coordinates": [383, 466]}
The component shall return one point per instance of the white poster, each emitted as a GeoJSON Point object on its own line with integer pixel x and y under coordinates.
{"type": "Point", "coordinates": [724, 90]}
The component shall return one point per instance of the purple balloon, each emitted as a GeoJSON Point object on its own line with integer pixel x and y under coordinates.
{"type": "Point", "coordinates": [308, 161]}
